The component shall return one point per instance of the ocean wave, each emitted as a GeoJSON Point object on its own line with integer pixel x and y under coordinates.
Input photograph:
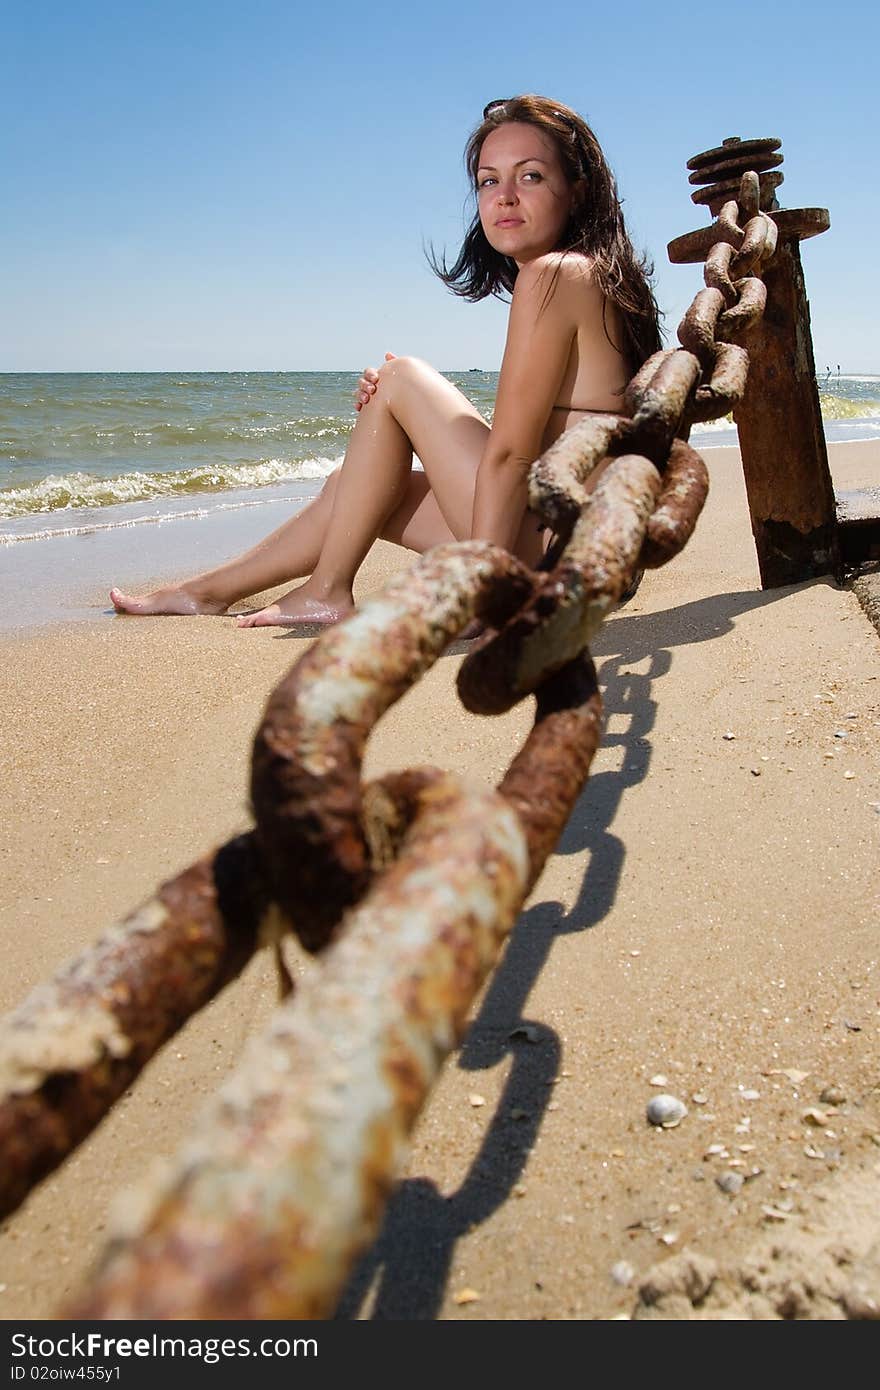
{"type": "Point", "coordinates": [75, 490]}
{"type": "Point", "coordinates": [841, 408]}
{"type": "Point", "coordinates": [832, 408]}
{"type": "Point", "coordinates": [121, 438]}
{"type": "Point", "coordinates": [127, 523]}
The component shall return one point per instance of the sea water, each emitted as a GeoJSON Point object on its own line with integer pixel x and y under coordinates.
{"type": "Point", "coordinates": [85, 452]}
{"type": "Point", "coordinates": [81, 453]}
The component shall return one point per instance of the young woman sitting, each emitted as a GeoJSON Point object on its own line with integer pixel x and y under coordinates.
{"type": "Point", "coordinates": [548, 231]}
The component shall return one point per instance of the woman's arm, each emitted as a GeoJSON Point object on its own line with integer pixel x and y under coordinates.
{"type": "Point", "coordinates": [541, 330]}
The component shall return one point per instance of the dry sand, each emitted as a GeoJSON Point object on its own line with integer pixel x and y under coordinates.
{"type": "Point", "coordinates": [710, 917]}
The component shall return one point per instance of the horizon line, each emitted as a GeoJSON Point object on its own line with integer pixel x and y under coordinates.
{"type": "Point", "coordinates": [290, 371]}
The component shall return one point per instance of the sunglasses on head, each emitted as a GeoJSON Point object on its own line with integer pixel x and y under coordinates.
{"type": "Point", "coordinates": [500, 103]}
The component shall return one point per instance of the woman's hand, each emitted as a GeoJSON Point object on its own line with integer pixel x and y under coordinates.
{"type": "Point", "coordinates": [366, 387]}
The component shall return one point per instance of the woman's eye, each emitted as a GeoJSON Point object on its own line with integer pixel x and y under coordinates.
{"type": "Point", "coordinates": [486, 183]}
{"type": "Point", "coordinates": [533, 174]}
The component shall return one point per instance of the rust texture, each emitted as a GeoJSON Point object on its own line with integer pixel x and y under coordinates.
{"type": "Point", "coordinates": [682, 496]}
{"type": "Point", "coordinates": [785, 460]}
{"type": "Point", "coordinates": [266, 1211]}
{"type": "Point", "coordinates": [733, 150]}
{"type": "Point", "coordinates": [561, 481]}
{"type": "Point", "coordinates": [284, 1181]}
{"type": "Point", "coordinates": [410, 883]}
{"type": "Point", "coordinates": [695, 246]}
{"type": "Point", "coordinates": [717, 271]}
{"type": "Point", "coordinates": [389, 806]}
{"type": "Point", "coordinates": [739, 318]}
{"type": "Point", "coordinates": [659, 403]}
{"type": "Point", "coordinates": [717, 193]}
{"type": "Point", "coordinates": [758, 244]}
{"type": "Point", "coordinates": [680, 369]}
{"type": "Point", "coordinates": [771, 390]}
{"type": "Point", "coordinates": [725, 168]}
{"type": "Point", "coordinates": [858, 515]}
{"type": "Point", "coordinates": [305, 783]}
{"type": "Point", "coordinates": [801, 223]}
{"type": "Point", "coordinates": [557, 480]}
{"type": "Point", "coordinates": [77, 1041]}
{"type": "Point", "coordinates": [571, 602]}
{"type": "Point", "coordinates": [732, 168]}
{"type": "Point", "coordinates": [725, 386]}
{"type": "Point", "coordinates": [749, 197]}
{"type": "Point", "coordinates": [696, 331]}
{"type": "Point", "coordinates": [546, 776]}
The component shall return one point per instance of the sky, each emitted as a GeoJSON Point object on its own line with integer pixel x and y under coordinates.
{"type": "Point", "coordinates": [218, 186]}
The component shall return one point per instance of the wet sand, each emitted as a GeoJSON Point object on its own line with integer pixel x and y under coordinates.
{"type": "Point", "coordinates": [710, 917]}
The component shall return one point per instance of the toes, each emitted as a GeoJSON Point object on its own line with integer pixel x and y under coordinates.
{"type": "Point", "coordinates": [263, 617]}
{"type": "Point", "coordinates": [122, 602]}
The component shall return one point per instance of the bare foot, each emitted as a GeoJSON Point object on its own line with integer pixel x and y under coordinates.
{"type": "Point", "coordinates": [295, 608]}
{"type": "Point", "coordinates": [177, 602]}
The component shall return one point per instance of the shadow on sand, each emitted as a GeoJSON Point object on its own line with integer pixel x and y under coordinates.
{"type": "Point", "coordinates": [404, 1274]}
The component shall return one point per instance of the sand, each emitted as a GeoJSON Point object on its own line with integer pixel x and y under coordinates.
{"type": "Point", "coordinates": [710, 918]}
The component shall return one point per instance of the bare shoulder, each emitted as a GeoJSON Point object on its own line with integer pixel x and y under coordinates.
{"type": "Point", "coordinates": [555, 277]}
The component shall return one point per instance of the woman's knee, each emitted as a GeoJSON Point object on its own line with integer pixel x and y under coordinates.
{"type": "Point", "coordinates": [403, 367]}
{"type": "Point", "coordinates": [405, 373]}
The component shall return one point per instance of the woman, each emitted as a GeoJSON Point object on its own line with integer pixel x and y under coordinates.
{"type": "Point", "coordinates": [549, 231]}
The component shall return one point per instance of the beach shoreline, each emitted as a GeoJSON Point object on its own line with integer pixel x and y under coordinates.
{"type": "Point", "coordinates": [709, 917]}
{"type": "Point", "coordinates": [66, 578]}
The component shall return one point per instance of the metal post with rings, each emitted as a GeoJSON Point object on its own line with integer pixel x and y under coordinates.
{"type": "Point", "coordinates": [793, 508]}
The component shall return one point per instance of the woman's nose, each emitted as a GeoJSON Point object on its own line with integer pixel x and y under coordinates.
{"type": "Point", "coordinates": [506, 193]}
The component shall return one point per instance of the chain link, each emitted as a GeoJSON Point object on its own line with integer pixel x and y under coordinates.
{"type": "Point", "coordinates": [408, 885]}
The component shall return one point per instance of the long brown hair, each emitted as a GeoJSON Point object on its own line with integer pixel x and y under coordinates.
{"type": "Point", "coordinates": [595, 228]}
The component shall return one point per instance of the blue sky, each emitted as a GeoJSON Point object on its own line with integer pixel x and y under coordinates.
{"type": "Point", "coordinates": [214, 186]}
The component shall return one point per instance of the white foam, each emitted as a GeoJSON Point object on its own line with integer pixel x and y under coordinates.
{"type": "Point", "coordinates": [71, 491]}
{"type": "Point", "coordinates": [122, 523]}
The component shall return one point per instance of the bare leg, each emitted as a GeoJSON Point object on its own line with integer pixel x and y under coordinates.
{"type": "Point", "coordinates": [375, 493]}
{"type": "Point", "coordinates": [415, 407]}
{"type": "Point", "coordinates": [289, 552]}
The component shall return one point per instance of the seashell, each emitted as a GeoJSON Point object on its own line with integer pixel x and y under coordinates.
{"type": "Point", "coordinates": [731, 1183]}
{"type": "Point", "coordinates": [666, 1111]}
{"type": "Point", "coordinates": [815, 1116]}
{"type": "Point", "coordinates": [833, 1095]}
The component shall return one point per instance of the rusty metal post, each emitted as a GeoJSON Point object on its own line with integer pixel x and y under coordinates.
{"type": "Point", "coordinates": [785, 460]}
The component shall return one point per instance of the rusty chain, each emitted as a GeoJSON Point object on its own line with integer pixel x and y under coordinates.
{"type": "Point", "coordinates": [408, 885]}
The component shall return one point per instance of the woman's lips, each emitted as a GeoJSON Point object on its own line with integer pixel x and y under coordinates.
{"type": "Point", "coordinates": [509, 222]}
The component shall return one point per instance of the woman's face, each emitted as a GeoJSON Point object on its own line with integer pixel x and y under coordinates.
{"type": "Point", "coordinates": [523, 195]}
